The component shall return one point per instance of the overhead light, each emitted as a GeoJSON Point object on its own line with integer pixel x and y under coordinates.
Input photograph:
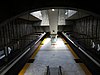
{"type": "Point", "coordinates": [37, 14]}
{"type": "Point", "coordinates": [66, 13]}
{"type": "Point", "coordinates": [53, 9]}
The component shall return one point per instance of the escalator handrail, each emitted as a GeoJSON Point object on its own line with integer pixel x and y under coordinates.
{"type": "Point", "coordinates": [4, 69]}
{"type": "Point", "coordinates": [96, 62]}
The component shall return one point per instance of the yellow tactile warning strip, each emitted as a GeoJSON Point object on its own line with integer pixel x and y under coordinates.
{"type": "Point", "coordinates": [85, 69]}
{"type": "Point", "coordinates": [43, 41]}
{"type": "Point", "coordinates": [36, 51]}
{"type": "Point", "coordinates": [24, 69]}
{"type": "Point", "coordinates": [32, 57]}
{"type": "Point", "coordinates": [70, 49]}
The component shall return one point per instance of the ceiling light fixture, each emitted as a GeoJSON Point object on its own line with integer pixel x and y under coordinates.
{"type": "Point", "coordinates": [66, 13]}
{"type": "Point", "coordinates": [53, 9]}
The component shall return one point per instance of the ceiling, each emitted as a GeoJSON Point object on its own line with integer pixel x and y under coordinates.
{"type": "Point", "coordinates": [11, 8]}
{"type": "Point", "coordinates": [63, 14]}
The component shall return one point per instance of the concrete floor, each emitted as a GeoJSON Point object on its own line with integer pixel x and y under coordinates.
{"type": "Point", "coordinates": [54, 56]}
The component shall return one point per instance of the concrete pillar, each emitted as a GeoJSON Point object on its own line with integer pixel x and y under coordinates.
{"type": "Point", "coordinates": [53, 22]}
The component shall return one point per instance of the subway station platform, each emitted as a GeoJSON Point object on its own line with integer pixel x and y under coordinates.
{"type": "Point", "coordinates": [53, 55]}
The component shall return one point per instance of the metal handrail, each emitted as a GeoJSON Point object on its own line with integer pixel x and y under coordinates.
{"type": "Point", "coordinates": [60, 71]}
{"type": "Point", "coordinates": [90, 57]}
{"type": "Point", "coordinates": [4, 69]}
{"type": "Point", "coordinates": [48, 71]}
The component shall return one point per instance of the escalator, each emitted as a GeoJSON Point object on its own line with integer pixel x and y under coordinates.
{"type": "Point", "coordinates": [54, 70]}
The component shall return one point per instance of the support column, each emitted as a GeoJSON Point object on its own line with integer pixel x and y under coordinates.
{"type": "Point", "coordinates": [53, 22]}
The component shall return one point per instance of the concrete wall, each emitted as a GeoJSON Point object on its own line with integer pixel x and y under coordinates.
{"type": "Point", "coordinates": [41, 29]}
{"type": "Point", "coordinates": [53, 21]}
{"type": "Point", "coordinates": [65, 28]}
{"type": "Point", "coordinates": [87, 30]}
{"type": "Point", "coordinates": [17, 34]}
